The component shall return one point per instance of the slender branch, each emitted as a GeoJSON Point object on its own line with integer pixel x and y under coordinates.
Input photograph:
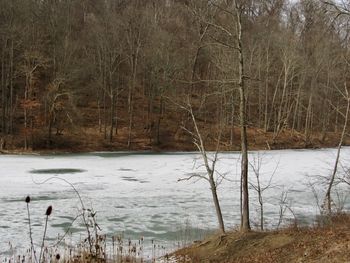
{"type": "Point", "coordinates": [193, 176]}
{"type": "Point", "coordinates": [67, 231]}
{"type": "Point", "coordinates": [31, 234]}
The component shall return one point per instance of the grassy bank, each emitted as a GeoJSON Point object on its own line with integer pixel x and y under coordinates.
{"type": "Point", "coordinates": [329, 242]}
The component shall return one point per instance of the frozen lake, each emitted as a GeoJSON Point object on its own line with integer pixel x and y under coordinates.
{"type": "Point", "coordinates": [139, 194]}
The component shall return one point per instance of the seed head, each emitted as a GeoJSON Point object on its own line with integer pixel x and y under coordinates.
{"type": "Point", "coordinates": [48, 211]}
{"type": "Point", "coordinates": [58, 256]}
{"type": "Point", "coordinates": [27, 199]}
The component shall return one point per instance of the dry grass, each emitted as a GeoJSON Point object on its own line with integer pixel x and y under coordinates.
{"type": "Point", "coordinates": [328, 243]}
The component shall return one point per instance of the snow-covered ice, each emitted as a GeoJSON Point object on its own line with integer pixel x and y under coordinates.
{"type": "Point", "coordinates": [139, 194]}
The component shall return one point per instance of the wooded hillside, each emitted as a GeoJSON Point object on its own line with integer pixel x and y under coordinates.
{"type": "Point", "coordinates": [115, 74]}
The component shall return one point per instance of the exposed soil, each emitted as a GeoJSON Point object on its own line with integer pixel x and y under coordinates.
{"type": "Point", "coordinates": [328, 243]}
{"type": "Point", "coordinates": [172, 139]}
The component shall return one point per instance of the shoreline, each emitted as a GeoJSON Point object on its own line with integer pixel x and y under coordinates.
{"type": "Point", "coordinates": [93, 141]}
{"type": "Point", "coordinates": [65, 152]}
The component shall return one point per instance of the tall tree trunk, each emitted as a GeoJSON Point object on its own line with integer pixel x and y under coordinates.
{"type": "Point", "coordinates": [266, 126]}
{"type": "Point", "coordinates": [104, 115]}
{"type": "Point", "coordinates": [272, 106]}
{"type": "Point", "coordinates": [112, 118]}
{"type": "Point", "coordinates": [283, 102]}
{"type": "Point", "coordinates": [232, 130]}
{"type": "Point", "coordinates": [245, 224]}
{"type": "Point", "coordinates": [11, 90]}
{"type": "Point", "coordinates": [160, 115]}
{"type": "Point", "coordinates": [49, 137]}
{"type": "Point", "coordinates": [25, 112]}
{"type": "Point", "coordinates": [99, 113]}
{"type": "Point", "coordinates": [326, 111]}
{"type": "Point", "coordinates": [131, 117]}
{"type": "Point", "coordinates": [131, 95]}
{"type": "Point", "coordinates": [308, 118]}
{"type": "Point", "coordinates": [296, 109]}
{"type": "Point", "coordinates": [116, 113]}
{"type": "Point", "coordinates": [3, 92]}
{"type": "Point", "coordinates": [336, 118]}
{"type": "Point", "coordinates": [104, 81]}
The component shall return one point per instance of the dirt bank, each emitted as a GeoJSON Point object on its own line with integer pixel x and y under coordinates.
{"type": "Point", "coordinates": [328, 243]}
{"type": "Point", "coordinates": [90, 139]}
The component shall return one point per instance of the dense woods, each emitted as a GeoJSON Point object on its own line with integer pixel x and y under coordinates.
{"type": "Point", "coordinates": [118, 72]}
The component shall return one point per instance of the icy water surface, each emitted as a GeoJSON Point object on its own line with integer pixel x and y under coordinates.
{"type": "Point", "coordinates": [139, 194]}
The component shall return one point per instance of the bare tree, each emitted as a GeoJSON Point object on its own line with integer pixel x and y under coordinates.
{"type": "Point", "coordinates": [232, 33]}
{"type": "Point", "coordinates": [209, 164]}
{"type": "Point", "coordinates": [328, 198]}
{"type": "Point", "coordinates": [338, 7]}
{"type": "Point", "coordinates": [245, 224]}
{"type": "Point", "coordinates": [60, 105]}
{"type": "Point", "coordinates": [135, 31]}
{"type": "Point", "coordinates": [256, 166]}
{"type": "Point", "coordinates": [33, 61]}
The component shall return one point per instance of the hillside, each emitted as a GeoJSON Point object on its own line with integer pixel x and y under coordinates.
{"type": "Point", "coordinates": [124, 75]}
{"type": "Point", "coordinates": [88, 137]}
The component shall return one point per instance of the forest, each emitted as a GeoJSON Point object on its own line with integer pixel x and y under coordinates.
{"type": "Point", "coordinates": [117, 74]}
{"type": "Point", "coordinates": [120, 80]}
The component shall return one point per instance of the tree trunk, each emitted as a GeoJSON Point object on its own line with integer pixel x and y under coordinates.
{"type": "Point", "coordinates": [261, 203]}
{"type": "Point", "coordinates": [160, 115]}
{"type": "Point", "coordinates": [308, 118]}
{"type": "Point", "coordinates": [280, 111]}
{"type": "Point", "coordinates": [3, 92]}
{"type": "Point", "coordinates": [296, 110]}
{"type": "Point", "coordinates": [328, 198]}
{"type": "Point", "coordinates": [11, 90]}
{"type": "Point", "coordinates": [216, 203]}
{"type": "Point", "coordinates": [49, 139]}
{"type": "Point", "coordinates": [26, 113]}
{"type": "Point", "coordinates": [130, 97]}
{"type": "Point", "coordinates": [266, 127]}
{"type": "Point", "coordinates": [210, 170]}
{"type": "Point", "coordinates": [104, 115]}
{"type": "Point", "coordinates": [245, 224]}
{"type": "Point", "coordinates": [99, 114]}
{"type": "Point", "coordinates": [232, 129]}
{"type": "Point", "coordinates": [131, 117]}
{"type": "Point", "coordinates": [112, 119]}
{"type": "Point", "coordinates": [116, 113]}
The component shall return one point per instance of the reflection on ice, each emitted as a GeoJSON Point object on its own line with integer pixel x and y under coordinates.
{"type": "Point", "coordinates": [57, 171]}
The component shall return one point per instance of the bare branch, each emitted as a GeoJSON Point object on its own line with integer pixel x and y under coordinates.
{"type": "Point", "coordinates": [193, 176]}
